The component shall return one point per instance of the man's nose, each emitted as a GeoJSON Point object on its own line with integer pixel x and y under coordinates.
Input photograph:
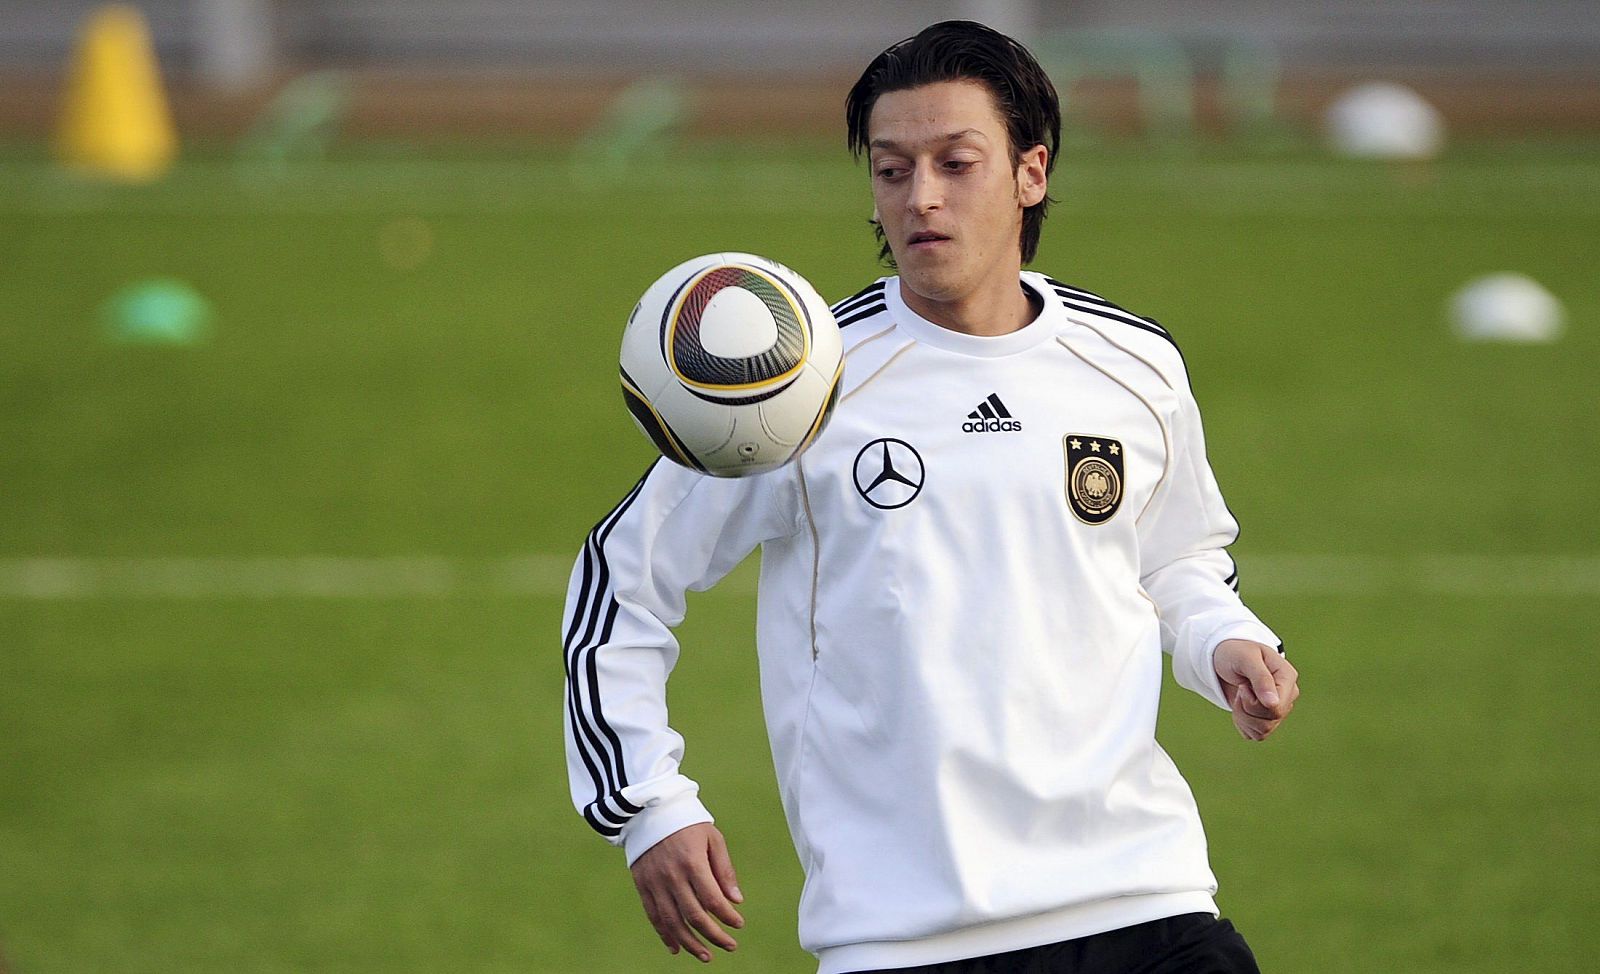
{"type": "Point", "coordinates": [927, 190]}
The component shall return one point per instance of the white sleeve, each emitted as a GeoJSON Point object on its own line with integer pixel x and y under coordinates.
{"type": "Point", "coordinates": [1185, 566]}
{"type": "Point", "coordinates": [677, 530]}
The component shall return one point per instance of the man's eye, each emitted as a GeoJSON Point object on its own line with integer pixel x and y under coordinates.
{"type": "Point", "coordinates": [889, 172]}
{"type": "Point", "coordinates": [959, 165]}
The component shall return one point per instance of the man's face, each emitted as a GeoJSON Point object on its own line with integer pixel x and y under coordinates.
{"type": "Point", "coordinates": [948, 195]}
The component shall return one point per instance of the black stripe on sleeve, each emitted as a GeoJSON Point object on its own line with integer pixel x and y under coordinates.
{"type": "Point", "coordinates": [1089, 297]}
{"type": "Point", "coordinates": [856, 305]}
{"type": "Point", "coordinates": [578, 610]}
{"type": "Point", "coordinates": [584, 737]}
{"type": "Point", "coordinates": [584, 731]}
{"type": "Point", "coordinates": [863, 315]}
{"type": "Point", "coordinates": [1098, 306]}
{"type": "Point", "coordinates": [1126, 319]}
{"type": "Point", "coordinates": [609, 777]}
{"type": "Point", "coordinates": [588, 723]}
{"type": "Point", "coordinates": [609, 831]}
{"type": "Point", "coordinates": [591, 669]}
{"type": "Point", "coordinates": [858, 299]}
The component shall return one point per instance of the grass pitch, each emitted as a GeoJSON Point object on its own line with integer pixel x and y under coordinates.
{"type": "Point", "coordinates": [412, 360]}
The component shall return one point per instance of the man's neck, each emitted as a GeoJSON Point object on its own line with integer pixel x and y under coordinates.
{"type": "Point", "coordinates": [997, 308]}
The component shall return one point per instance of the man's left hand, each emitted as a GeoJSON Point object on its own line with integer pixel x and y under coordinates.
{"type": "Point", "coordinates": [1260, 685]}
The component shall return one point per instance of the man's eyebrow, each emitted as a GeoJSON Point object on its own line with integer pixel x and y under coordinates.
{"type": "Point", "coordinates": [952, 137]}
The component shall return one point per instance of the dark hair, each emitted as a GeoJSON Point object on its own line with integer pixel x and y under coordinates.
{"type": "Point", "coordinates": [961, 50]}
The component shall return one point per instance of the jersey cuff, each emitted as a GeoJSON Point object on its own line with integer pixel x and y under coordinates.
{"type": "Point", "coordinates": [656, 822]}
{"type": "Point", "coordinates": [1193, 659]}
{"type": "Point", "coordinates": [1251, 629]}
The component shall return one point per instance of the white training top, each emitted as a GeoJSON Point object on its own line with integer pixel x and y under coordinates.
{"type": "Point", "coordinates": [967, 583]}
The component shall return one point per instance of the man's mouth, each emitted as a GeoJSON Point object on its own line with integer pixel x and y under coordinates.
{"type": "Point", "coordinates": [926, 237]}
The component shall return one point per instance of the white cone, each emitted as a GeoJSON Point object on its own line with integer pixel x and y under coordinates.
{"type": "Point", "coordinates": [1381, 120]}
{"type": "Point", "coordinates": [1507, 307]}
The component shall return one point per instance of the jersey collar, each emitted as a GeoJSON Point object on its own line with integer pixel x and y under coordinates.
{"type": "Point", "coordinates": [922, 330]}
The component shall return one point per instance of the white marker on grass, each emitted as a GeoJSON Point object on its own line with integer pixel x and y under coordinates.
{"type": "Point", "coordinates": [1507, 307]}
{"type": "Point", "coordinates": [1381, 120]}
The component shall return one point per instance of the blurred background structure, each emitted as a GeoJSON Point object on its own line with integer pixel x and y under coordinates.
{"type": "Point", "coordinates": [500, 65]}
{"type": "Point", "coordinates": [309, 314]}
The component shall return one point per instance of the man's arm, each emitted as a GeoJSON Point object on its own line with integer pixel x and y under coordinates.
{"type": "Point", "coordinates": [675, 531]}
{"type": "Point", "coordinates": [1219, 648]}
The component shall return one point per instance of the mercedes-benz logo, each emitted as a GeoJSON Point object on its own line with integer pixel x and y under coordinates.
{"type": "Point", "coordinates": [889, 473]}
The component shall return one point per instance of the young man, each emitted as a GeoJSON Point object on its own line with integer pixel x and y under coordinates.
{"type": "Point", "coordinates": [967, 585]}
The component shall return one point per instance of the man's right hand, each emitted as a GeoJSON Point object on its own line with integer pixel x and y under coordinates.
{"type": "Point", "coordinates": [686, 883]}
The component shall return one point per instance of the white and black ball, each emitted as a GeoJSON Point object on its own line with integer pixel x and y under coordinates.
{"type": "Point", "coordinates": [731, 364]}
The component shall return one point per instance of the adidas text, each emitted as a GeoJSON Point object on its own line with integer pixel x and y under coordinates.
{"type": "Point", "coordinates": [992, 426]}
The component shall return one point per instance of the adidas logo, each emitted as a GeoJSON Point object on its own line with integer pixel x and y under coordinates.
{"type": "Point", "coordinates": [991, 416]}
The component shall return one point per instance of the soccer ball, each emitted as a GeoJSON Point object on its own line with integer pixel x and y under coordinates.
{"type": "Point", "coordinates": [731, 364]}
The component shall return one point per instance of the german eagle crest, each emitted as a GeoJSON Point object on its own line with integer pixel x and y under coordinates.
{"type": "Point", "coordinates": [1094, 476]}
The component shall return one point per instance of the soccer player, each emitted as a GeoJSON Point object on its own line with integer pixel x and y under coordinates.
{"type": "Point", "coordinates": [967, 586]}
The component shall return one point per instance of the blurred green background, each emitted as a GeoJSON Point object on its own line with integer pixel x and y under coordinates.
{"type": "Point", "coordinates": [280, 680]}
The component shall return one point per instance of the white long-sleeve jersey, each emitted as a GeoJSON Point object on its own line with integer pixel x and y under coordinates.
{"type": "Point", "coordinates": [967, 584]}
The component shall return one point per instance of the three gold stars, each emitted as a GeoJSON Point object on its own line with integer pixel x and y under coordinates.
{"type": "Point", "coordinates": [1094, 446]}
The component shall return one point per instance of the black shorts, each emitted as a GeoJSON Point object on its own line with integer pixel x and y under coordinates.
{"type": "Point", "coordinates": [1194, 943]}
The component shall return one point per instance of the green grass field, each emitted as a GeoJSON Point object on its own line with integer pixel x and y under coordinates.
{"type": "Point", "coordinates": [209, 763]}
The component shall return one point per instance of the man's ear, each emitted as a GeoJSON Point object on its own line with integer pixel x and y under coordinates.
{"type": "Point", "coordinates": [1032, 181]}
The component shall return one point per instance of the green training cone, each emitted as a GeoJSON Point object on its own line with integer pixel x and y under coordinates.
{"type": "Point", "coordinates": [157, 312]}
